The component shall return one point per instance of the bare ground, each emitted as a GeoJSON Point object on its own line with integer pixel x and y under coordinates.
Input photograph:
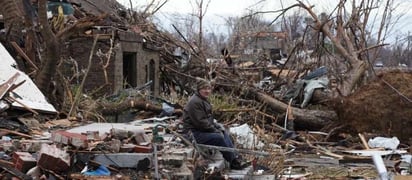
{"type": "Point", "coordinates": [379, 109]}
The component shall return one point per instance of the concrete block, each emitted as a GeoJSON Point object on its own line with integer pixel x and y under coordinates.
{"type": "Point", "coordinates": [92, 135]}
{"type": "Point", "coordinates": [125, 160]}
{"type": "Point", "coordinates": [183, 173]}
{"type": "Point", "coordinates": [185, 152]}
{"type": "Point", "coordinates": [32, 145]}
{"type": "Point", "coordinates": [171, 160]}
{"type": "Point", "coordinates": [141, 138]}
{"type": "Point", "coordinates": [240, 174]}
{"type": "Point", "coordinates": [107, 128]}
{"type": "Point", "coordinates": [262, 177]}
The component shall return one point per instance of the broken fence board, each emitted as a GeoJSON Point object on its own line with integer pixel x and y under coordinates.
{"type": "Point", "coordinates": [6, 86]}
{"type": "Point", "coordinates": [14, 171]}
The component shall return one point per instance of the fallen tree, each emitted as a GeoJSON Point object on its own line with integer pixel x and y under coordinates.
{"type": "Point", "coordinates": [311, 119]}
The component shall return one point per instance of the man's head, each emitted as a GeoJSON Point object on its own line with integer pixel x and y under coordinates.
{"type": "Point", "coordinates": [204, 88]}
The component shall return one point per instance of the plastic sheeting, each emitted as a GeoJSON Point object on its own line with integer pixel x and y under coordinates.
{"type": "Point", "coordinates": [310, 87]}
{"type": "Point", "coordinates": [245, 137]}
{"type": "Point", "coordinates": [384, 142]}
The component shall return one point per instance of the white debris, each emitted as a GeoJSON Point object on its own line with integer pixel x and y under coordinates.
{"type": "Point", "coordinates": [245, 137]}
{"type": "Point", "coordinates": [28, 93]}
{"type": "Point", "coordinates": [384, 142]}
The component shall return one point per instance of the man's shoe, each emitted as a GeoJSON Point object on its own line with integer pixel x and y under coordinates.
{"type": "Point", "coordinates": [238, 164]}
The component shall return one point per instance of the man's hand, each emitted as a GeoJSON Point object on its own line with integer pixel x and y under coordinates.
{"type": "Point", "coordinates": [220, 127]}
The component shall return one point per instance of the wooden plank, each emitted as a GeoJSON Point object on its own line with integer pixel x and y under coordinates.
{"type": "Point", "coordinates": [22, 104]}
{"type": "Point", "coordinates": [362, 138]}
{"type": "Point", "coordinates": [6, 86]}
{"type": "Point", "coordinates": [23, 54]}
{"type": "Point", "coordinates": [14, 171]}
{"type": "Point", "coordinates": [401, 177]}
{"type": "Point", "coordinates": [15, 133]}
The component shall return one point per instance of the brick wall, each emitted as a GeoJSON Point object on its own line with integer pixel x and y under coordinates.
{"type": "Point", "coordinates": [79, 50]}
{"type": "Point", "coordinates": [133, 43]}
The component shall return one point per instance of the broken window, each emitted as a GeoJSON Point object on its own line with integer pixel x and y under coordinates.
{"type": "Point", "coordinates": [129, 70]}
{"type": "Point", "coordinates": [152, 75]}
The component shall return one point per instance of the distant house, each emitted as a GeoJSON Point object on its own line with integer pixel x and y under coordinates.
{"type": "Point", "coordinates": [379, 64]}
{"type": "Point", "coordinates": [271, 44]}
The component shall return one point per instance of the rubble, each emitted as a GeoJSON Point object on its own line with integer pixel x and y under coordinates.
{"type": "Point", "coordinates": [53, 158]}
{"type": "Point", "coordinates": [144, 140]}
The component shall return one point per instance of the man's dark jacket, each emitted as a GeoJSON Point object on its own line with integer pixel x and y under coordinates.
{"type": "Point", "coordinates": [197, 115]}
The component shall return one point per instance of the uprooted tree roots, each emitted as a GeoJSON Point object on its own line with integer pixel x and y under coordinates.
{"type": "Point", "coordinates": [382, 107]}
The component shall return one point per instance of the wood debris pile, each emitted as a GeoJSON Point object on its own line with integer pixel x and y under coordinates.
{"type": "Point", "coordinates": [315, 137]}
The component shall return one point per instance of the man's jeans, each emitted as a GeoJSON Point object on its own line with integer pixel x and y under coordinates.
{"type": "Point", "coordinates": [216, 139]}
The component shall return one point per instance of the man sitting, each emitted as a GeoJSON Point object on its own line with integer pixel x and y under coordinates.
{"type": "Point", "coordinates": [197, 118]}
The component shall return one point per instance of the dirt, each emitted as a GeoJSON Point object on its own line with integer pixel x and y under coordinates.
{"type": "Point", "coordinates": [379, 109]}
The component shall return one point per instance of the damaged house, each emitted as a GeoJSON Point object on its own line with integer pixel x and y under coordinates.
{"type": "Point", "coordinates": [132, 64]}
{"type": "Point", "coordinates": [270, 44]}
{"type": "Point", "coordinates": [123, 59]}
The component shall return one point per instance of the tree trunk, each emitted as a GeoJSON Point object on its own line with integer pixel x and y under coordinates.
{"type": "Point", "coordinates": [13, 18]}
{"type": "Point", "coordinates": [312, 119]}
{"type": "Point", "coordinates": [13, 21]}
{"type": "Point", "coordinates": [344, 46]}
{"type": "Point", "coordinates": [52, 58]}
{"type": "Point", "coordinates": [354, 76]}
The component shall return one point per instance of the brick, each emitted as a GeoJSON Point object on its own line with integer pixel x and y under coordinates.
{"type": "Point", "coordinates": [68, 138]}
{"type": "Point", "coordinates": [53, 158]}
{"type": "Point", "coordinates": [92, 135]}
{"type": "Point", "coordinates": [241, 174]}
{"type": "Point", "coordinates": [143, 149]}
{"type": "Point", "coordinates": [23, 161]}
{"type": "Point", "coordinates": [127, 148]}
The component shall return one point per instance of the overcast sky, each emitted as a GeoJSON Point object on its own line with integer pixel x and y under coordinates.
{"type": "Point", "coordinates": [219, 9]}
{"type": "Point", "coordinates": [230, 7]}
